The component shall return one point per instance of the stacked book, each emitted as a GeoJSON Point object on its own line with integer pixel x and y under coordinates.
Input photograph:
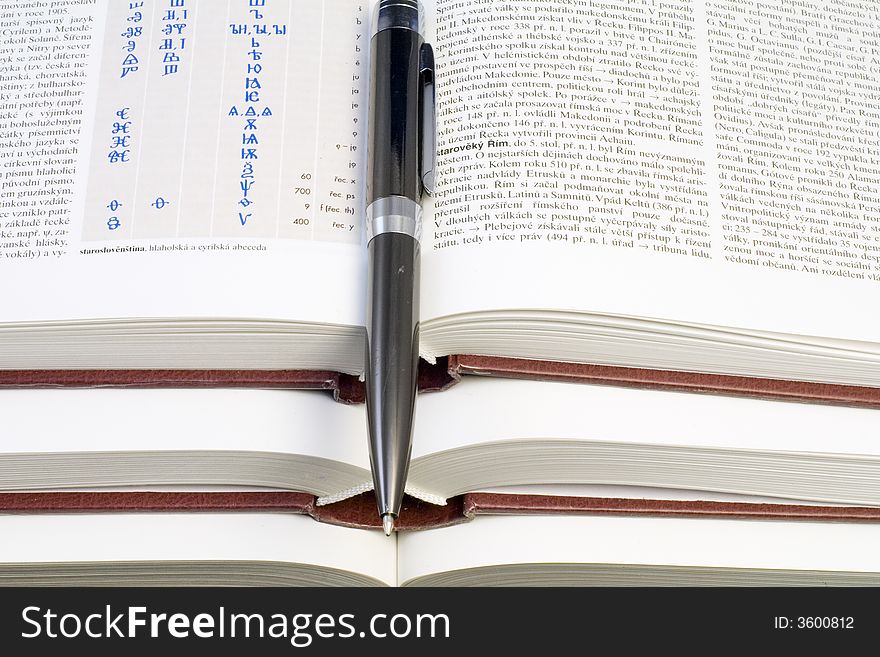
{"type": "Point", "coordinates": [650, 328]}
{"type": "Point", "coordinates": [512, 482]}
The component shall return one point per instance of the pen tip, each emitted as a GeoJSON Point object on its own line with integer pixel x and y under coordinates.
{"type": "Point", "coordinates": [388, 524]}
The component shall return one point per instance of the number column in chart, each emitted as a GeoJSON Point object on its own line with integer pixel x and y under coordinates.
{"type": "Point", "coordinates": [324, 130]}
{"type": "Point", "coordinates": [341, 136]}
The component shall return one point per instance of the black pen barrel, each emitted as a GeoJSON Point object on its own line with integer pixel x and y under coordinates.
{"type": "Point", "coordinates": [392, 362]}
{"type": "Point", "coordinates": [393, 228]}
{"type": "Point", "coordinates": [393, 154]}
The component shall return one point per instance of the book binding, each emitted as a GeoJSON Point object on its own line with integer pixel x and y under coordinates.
{"type": "Point", "coordinates": [446, 372]}
{"type": "Point", "coordinates": [360, 512]}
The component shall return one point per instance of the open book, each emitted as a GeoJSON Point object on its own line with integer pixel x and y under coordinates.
{"type": "Point", "coordinates": [480, 435]}
{"type": "Point", "coordinates": [272, 550]}
{"type": "Point", "coordinates": [690, 186]}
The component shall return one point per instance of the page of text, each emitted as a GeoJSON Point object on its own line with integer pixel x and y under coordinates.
{"type": "Point", "coordinates": [712, 162]}
{"type": "Point", "coordinates": [182, 158]}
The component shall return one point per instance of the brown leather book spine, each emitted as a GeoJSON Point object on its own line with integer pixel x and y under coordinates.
{"type": "Point", "coordinates": [445, 373]}
{"type": "Point", "coordinates": [167, 378]}
{"type": "Point", "coordinates": [360, 512]}
{"type": "Point", "coordinates": [131, 501]}
{"type": "Point", "coordinates": [776, 389]}
{"type": "Point", "coordinates": [345, 388]}
{"type": "Point", "coordinates": [475, 504]}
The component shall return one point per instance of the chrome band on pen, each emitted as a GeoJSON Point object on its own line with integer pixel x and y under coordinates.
{"type": "Point", "coordinates": [406, 14]}
{"type": "Point", "coordinates": [394, 214]}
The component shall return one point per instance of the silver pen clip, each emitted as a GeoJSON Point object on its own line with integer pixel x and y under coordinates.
{"type": "Point", "coordinates": [429, 118]}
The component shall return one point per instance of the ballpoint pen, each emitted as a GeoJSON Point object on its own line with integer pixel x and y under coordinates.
{"type": "Point", "coordinates": [400, 169]}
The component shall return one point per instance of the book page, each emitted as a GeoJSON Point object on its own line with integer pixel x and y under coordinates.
{"type": "Point", "coordinates": [196, 537]}
{"type": "Point", "coordinates": [705, 162]}
{"type": "Point", "coordinates": [703, 542]}
{"type": "Point", "coordinates": [182, 159]}
{"type": "Point", "coordinates": [301, 422]}
{"type": "Point", "coordinates": [182, 439]}
{"type": "Point", "coordinates": [482, 410]}
{"type": "Point", "coordinates": [646, 493]}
